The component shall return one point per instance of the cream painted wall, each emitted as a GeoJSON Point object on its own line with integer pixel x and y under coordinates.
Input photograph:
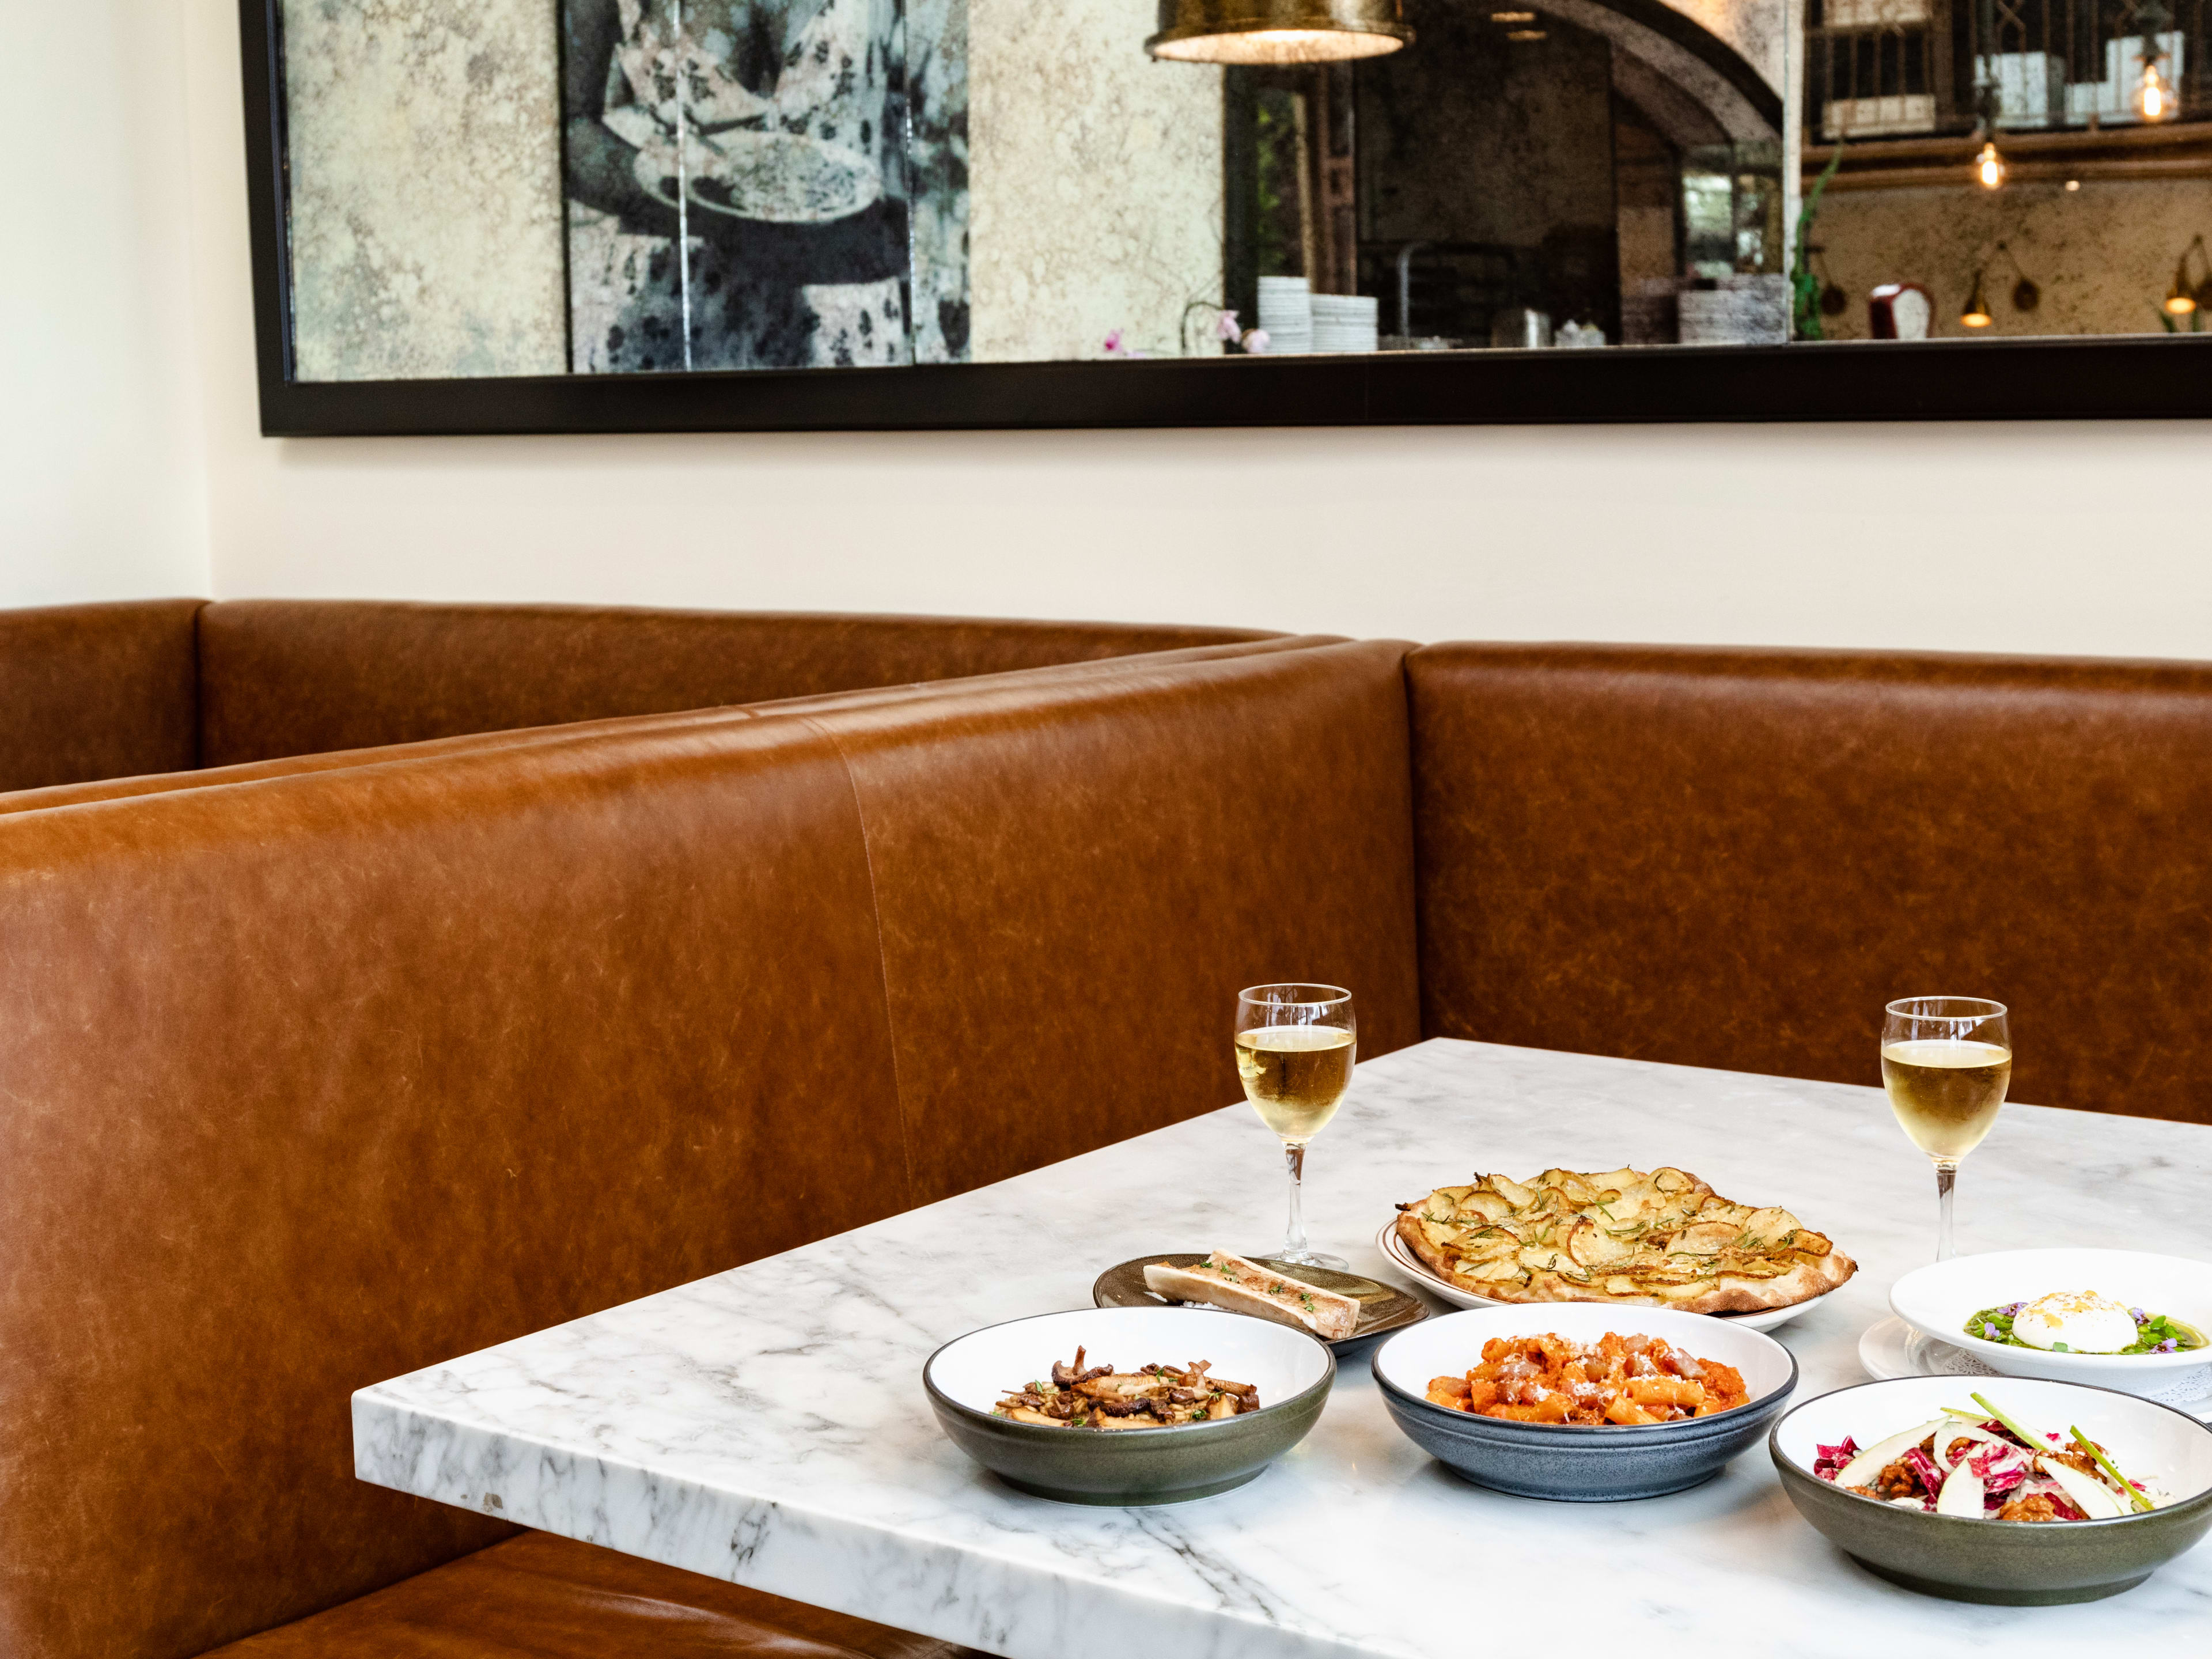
{"type": "Point", "coordinates": [100, 480]}
{"type": "Point", "coordinates": [2023, 536]}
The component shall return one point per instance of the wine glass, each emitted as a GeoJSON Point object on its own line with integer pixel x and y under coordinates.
{"type": "Point", "coordinates": [1295, 1047]}
{"type": "Point", "coordinates": [1945, 1062]}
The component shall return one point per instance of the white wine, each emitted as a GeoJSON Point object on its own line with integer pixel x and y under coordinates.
{"type": "Point", "coordinates": [1946, 1093]}
{"type": "Point", "coordinates": [1295, 1075]}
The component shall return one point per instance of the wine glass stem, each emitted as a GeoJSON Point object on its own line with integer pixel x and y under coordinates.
{"type": "Point", "coordinates": [1294, 1156]}
{"type": "Point", "coordinates": [1946, 1177]}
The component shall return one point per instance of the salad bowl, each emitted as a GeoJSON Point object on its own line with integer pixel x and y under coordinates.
{"type": "Point", "coordinates": [2006, 1562]}
{"type": "Point", "coordinates": [1940, 1302]}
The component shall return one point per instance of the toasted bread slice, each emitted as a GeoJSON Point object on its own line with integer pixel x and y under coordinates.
{"type": "Point", "coordinates": [1231, 1282]}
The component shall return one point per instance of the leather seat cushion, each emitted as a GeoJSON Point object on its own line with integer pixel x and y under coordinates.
{"type": "Point", "coordinates": [542, 1597]}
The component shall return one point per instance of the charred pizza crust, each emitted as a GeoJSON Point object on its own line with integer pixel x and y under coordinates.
{"type": "Point", "coordinates": [1661, 1239]}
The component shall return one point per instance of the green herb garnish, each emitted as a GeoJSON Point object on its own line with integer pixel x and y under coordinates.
{"type": "Point", "coordinates": [2154, 1333]}
{"type": "Point", "coordinates": [2109, 1467]}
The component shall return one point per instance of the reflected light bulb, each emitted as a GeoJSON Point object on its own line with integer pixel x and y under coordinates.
{"type": "Point", "coordinates": [2180, 302]}
{"type": "Point", "coordinates": [1989, 167]}
{"type": "Point", "coordinates": [2155, 98]}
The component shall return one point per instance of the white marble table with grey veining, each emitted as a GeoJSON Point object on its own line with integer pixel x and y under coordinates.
{"type": "Point", "coordinates": [767, 1425]}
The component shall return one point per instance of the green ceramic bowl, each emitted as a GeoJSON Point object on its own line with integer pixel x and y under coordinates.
{"type": "Point", "coordinates": [1292, 1370]}
{"type": "Point", "coordinates": [2005, 1562]}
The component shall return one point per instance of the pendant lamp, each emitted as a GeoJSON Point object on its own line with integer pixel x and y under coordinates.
{"type": "Point", "coordinates": [1278, 31]}
{"type": "Point", "coordinates": [1976, 314]}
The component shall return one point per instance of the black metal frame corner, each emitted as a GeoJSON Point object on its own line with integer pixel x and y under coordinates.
{"type": "Point", "coordinates": [2051, 378]}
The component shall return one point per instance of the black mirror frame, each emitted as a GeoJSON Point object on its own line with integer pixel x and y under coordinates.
{"type": "Point", "coordinates": [2051, 378]}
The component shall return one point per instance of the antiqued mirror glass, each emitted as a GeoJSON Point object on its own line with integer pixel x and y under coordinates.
{"type": "Point", "coordinates": [605, 188]}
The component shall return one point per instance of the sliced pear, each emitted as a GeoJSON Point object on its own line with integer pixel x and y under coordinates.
{"type": "Point", "coordinates": [1961, 1495]}
{"type": "Point", "coordinates": [1881, 1454]}
{"type": "Point", "coordinates": [2090, 1495]}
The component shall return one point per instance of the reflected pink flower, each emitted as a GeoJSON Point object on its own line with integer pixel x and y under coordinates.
{"type": "Point", "coordinates": [1257, 342]}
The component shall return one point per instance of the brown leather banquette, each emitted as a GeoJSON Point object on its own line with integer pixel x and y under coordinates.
{"type": "Point", "coordinates": [321, 1070]}
{"type": "Point", "coordinates": [1734, 858]}
{"type": "Point", "coordinates": [93, 691]}
{"type": "Point", "coordinates": [321, 1067]}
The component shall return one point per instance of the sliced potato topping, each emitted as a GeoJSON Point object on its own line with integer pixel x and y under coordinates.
{"type": "Point", "coordinates": [1619, 1235]}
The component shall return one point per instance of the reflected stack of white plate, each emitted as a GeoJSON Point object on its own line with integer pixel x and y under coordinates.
{"type": "Point", "coordinates": [1344, 322]}
{"type": "Point", "coordinates": [1287, 312]}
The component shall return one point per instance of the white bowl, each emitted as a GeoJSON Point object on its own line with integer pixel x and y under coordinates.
{"type": "Point", "coordinates": [1400, 1255]}
{"type": "Point", "coordinates": [979, 1370]}
{"type": "Point", "coordinates": [1937, 1301]}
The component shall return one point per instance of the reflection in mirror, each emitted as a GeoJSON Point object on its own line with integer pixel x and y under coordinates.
{"type": "Point", "coordinates": [2005, 167]}
{"type": "Point", "coordinates": [515, 187]}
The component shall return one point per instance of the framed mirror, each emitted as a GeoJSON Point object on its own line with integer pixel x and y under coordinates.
{"type": "Point", "coordinates": [524, 215]}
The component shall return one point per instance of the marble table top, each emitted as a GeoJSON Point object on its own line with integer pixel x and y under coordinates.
{"type": "Point", "coordinates": [767, 1425]}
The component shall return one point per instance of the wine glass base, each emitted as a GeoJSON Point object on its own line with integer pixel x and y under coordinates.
{"type": "Point", "coordinates": [1311, 1259]}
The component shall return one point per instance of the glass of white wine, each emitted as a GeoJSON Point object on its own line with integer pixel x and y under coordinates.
{"type": "Point", "coordinates": [1945, 1062]}
{"type": "Point", "coordinates": [1295, 1048]}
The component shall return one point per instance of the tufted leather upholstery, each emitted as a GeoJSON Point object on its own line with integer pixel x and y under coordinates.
{"type": "Point", "coordinates": [401, 1057]}
{"type": "Point", "coordinates": [541, 1597]}
{"type": "Point", "coordinates": [96, 691]}
{"type": "Point", "coordinates": [1735, 858]}
{"type": "Point", "coordinates": [284, 677]}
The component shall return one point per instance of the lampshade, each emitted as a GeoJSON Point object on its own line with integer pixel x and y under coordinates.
{"type": "Point", "coordinates": [1976, 314]}
{"type": "Point", "coordinates": [1278, 31]}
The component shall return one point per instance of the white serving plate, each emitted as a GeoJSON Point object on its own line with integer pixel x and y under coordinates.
{"type": "Point", "coordinates": [2171, 1451]}
{"type": "Point", "coordinates": [1399, 1256]}
{"type": "Point", "coordinates": [1889, 1348]}
{"type": "Point", "coordinates": [976, 1370]}
{"type": "Point", "coordinates": [1450, 1346]}
{"type": "Point", "coordinates": [1937, 1300]}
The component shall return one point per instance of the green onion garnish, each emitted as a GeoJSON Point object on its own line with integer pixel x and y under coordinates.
{"type": "Point", "coordinates": [2107, 1465]}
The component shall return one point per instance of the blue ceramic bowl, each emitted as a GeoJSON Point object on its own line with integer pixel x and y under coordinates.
{"type": "Point", "coordinates": [1571, 1462]}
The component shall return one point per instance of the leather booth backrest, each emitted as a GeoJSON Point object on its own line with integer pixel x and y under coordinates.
{"type": "Point", "coordinates": [96, 691]}
{"type": "Point", "coordinates": [320, 1079]}
{"type": "Point", "coordinates": [1735, 858]}
{"type": "Point", "coordinates": [318, 1076]}
{"type": "Point", "coordinates": [1074, 878]}
{"type": "Point", "coordinates": [301, 677]}
{"type": "Point", "coordinates": [121, 788]}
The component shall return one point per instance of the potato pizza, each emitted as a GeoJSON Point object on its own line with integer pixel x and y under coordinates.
{"type": "Point", "coordinates": [1661, 1239]}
